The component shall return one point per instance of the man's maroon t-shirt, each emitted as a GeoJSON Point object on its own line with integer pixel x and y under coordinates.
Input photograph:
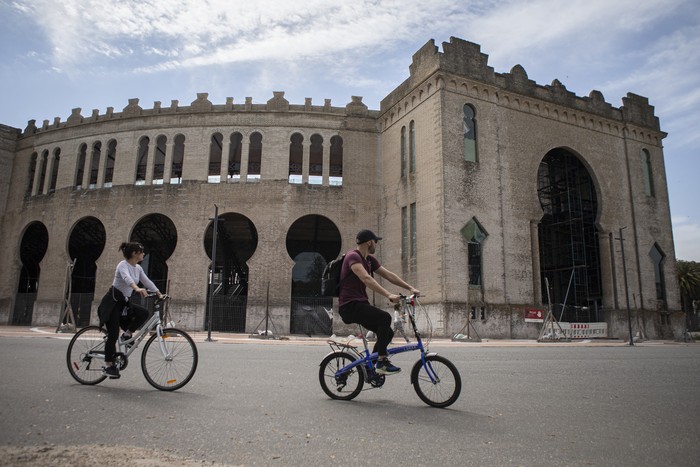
{"type": "Point", "coordinates": [352, 289]}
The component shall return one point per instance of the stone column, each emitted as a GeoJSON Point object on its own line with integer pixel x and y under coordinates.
{"type": "Point", "coordinates": [37, 173]}
{"type": "Point", "coordinates": [326, 170]}
{"type": "Point", "coordinates": [305, 162]}
{"type": "Point", "coordinates": [151, 162]}
{"type": "Point", "coordinates": [50, 160]}
{"type": "Point", "coordinates": [245, 145]}
{"type": "Point", "coordinates": [225, 149]}
{"type": "Point", "coordinates": [167, 170]}
{"type": "Point", "coordinates": [86, 167]}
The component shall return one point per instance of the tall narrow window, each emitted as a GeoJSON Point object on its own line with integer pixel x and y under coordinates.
{"type": "Point", "coordinates": [469, 126]}
{"type": "Point", "coordinates": [234, 157]}
{"type": "Point", "coordinates": [54, 170]}
{"type": "Point", "coordinates": [80, 167]}
{"type": "Point", "coordinates": [403, 151]}
{"type": "Point", "coordinates": [316, 160]}
{"type": "Point", "coordinates": [95, 164]}
{"type": "Point", "coordinates": [109, 163]}
{"type": "Point", "coordinates": [42, 173]}
{"type": "Point", "coordinates": [336, 162]}
{"type": "Point", "coordinates": [215, 151]}
{"type": "Point", "coordinates": [657, 258]}
{"type": "Point", "coordinates": [296, 157]}
{"type": "Point", "coordinates": [647, 173]}
{"type": "Point", "coordinates": [178, 159]}
{"type": "Point", "coordinates": [255, 157]}
{"type": "Point", "coordinates": [159, 160]}
{"type": "Point", "coordinates": [404, 233]}
{"type": "Point", "coordinates": [474, 234]}
{"type": "Point", "coordinates": [413, 233]}
{"type": "Point", "coordinates": [412, 147]}
{"type": "Point", "coordinates": [31, 174]}
{"type": "Point", "coordinates": [142, 160]}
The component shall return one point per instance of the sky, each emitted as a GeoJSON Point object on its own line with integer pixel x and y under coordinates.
{"type": "Point", "coordinates": [95, 54]}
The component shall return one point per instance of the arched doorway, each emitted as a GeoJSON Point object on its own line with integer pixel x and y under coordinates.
{"type": "Point", "coordinates": [85, 245]}
{"type": "Point", "coordinates": [236, 241]}
{"type": "Point", "coordinates": [32, 249]}
{"type": "Point", "coordinates": [158, 235]}
{"type": "Point", "coordinates": [312, 241]}
{"type": "Point", "coordinates": [569, 247]}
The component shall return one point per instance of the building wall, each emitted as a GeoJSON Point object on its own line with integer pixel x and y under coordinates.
{"type": "Point", "coordinates": [518, 123]}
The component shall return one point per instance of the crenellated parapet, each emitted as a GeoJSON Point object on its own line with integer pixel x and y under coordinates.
{"type": "Point", "coordinates": [202, 104]}
{"type": "Point", "coordinates": [464, 59]}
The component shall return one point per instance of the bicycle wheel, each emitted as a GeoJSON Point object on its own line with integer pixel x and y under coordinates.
{"type": "Point", "coordinates": [348, 385]}
{"type": "Point", "coordinates": [174, 369]}
{"type": "Point", "coordinates": [445, 390]}
{"type": "Point", "coordinates": [85, 355]}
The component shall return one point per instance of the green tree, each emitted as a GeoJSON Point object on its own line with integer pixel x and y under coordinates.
{"type": "Point", "coordinates": [688, 273]}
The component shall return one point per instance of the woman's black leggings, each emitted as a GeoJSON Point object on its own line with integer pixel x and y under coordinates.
{"type": "Point", "coordinates": [372, 318]}
{"type": "Point", "coordinates": [135, 317]}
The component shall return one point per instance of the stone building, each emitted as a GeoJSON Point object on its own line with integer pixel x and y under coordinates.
{"type": "Point", "coordinates": [485, 186]}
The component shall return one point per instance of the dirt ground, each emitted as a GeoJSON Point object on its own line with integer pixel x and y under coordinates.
{"type": "Point", "coordinates": [83, 456]}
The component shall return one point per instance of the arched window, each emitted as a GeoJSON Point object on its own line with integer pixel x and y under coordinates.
{"type": "Point", "coordinates": [254, 157]}
{"type": "Point", "coordinates": [80, 167]}
{"type": "Point", "coordinates": [178, 159]}
{"type": "Point", "coordinates": [31, 174]}
{"type": "Point", "coordinates": [469, 125]}
{"type": "Point", "coordinates": [54, 169]}
{"type": "Point", "coordinates": [159, 160]}
{"type": "Point", "coordinates": [336, 162]}
{"type": "Point", "coordinates": [647, 173]}
{"type": "Point", "coordinates": [316, 160]}
{"type": "Point", "coordinates": [215, 152]}
{"type": "Point", "coordinates": [142, 160]}
{"type": "Point", "coordinates": [403, 151]}
{"type": "Point", "coordinates": [234, 157]}
{"type": "Point", "coordinates": [296, 158]}
{"type": "Point", "coordinates": [95, 163]}
{"type": "Point", "coordinates": [42, 173]}
{"type": "Point", "coordinates": [474, 234]}
{"type": "Point", "coordinates": [657, 258]}
{"type": "Point", "coordinates": [412, 146]}
{"type": "Point", "coordinates": [109, 163]}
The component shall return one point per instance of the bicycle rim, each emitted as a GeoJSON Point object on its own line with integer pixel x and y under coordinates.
{"type": "Point", "coordinates": [174, 371]}
{"type": "Point", "coordinates": [84, 368]}
{"type": "Point", "coordinates": [442, 392]}
{"type": "Point", "coordinates": [345, 387]}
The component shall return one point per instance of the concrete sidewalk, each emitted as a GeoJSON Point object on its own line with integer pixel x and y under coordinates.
{"type": "Point", "coordinates": [240, 338]}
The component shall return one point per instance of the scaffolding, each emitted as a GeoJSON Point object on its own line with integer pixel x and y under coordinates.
{"type": "Point", "coordinates": [569, 251]}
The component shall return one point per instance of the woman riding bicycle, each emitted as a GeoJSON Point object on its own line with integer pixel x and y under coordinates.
{"type": "Point", "coordinates": [115, 309]}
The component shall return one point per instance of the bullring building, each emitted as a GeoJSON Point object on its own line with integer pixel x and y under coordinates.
{"type": "Point", "coordinates": [485, 186]}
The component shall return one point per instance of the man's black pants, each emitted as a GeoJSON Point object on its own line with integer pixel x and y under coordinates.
{"type": "Point", "coordinates": [372, 318]}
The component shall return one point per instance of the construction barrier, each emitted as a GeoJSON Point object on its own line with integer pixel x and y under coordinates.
{"type": "Point", "coordinates": [584, 330]}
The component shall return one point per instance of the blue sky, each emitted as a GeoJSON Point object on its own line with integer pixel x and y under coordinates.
{"type": "Point", "coordinates": [94, 54]}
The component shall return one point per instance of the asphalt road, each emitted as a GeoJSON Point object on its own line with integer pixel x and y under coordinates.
{"type": "Point", "coordinates": [258, 404]}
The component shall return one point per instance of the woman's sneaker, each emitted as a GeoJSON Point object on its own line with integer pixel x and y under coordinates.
{"type": "Point", "coordinates": [385, 367]}
{"type": "Point", "coordinates": [111, 371]}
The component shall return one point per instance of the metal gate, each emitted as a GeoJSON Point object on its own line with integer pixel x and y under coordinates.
{"type": "Point", "coordinates": [309, 316]}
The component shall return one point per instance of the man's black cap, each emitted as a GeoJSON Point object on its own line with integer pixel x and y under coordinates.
{"type": "Point", "coordinates": [366, 235]}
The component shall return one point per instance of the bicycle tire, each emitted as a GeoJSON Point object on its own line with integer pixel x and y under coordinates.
{"type": "Point", "coordinates": [446, 390]}
{"type": "Point", "coordinates": [351, 383]}
{"type": "Point", "coordinates": [174, 373]}
{"type": "Point", "coordinates": [81, 366]}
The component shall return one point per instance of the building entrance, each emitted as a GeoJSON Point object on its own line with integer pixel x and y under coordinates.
{"type": "Point", "coordinates": [32, 249]}
{"type": "Point", "coordinates": [85, 245]}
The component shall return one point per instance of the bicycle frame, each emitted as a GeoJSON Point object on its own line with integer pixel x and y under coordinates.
{"type": "Point", "coordinates": [368, 360]}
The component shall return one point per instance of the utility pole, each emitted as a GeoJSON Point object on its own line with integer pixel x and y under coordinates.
{"type": "Point", "coordinates": [627, 293]}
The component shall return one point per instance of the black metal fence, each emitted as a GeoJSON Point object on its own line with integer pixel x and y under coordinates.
{"type": "Point", "coordinates": [229, 314]}
{"type": "Point", "coordinates": [309, 316]}
{"type": "Point", "coordinates": [24, 307]}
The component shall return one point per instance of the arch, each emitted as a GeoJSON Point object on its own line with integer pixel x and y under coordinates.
{"type": "Point", "coordinates": [475, 235]}
{"type": "Point", "coordinates": [469, 127]}
{"type": "Point", "coordinates": [32, 248]}
{"type": "Point", "coordinates": [42, 171]}
{"type": "Point", "coordinates": [657, 258]}
{"type": "Point", "coordinates": [54, 169]}
{"type": "Point", "coordinates": [312, 241]}
{"type": "Point", "coordinates": [412, 146]}
{"type": "Point", "coordinates": [316, 159]}
{"type": "Point", "coordinates": [176, 168]}
{"type": "Point", "coordinates": [215, 152]}
{"type": "Point", "coordinates": [159, 160]}
{"type": "Point", "coordinates": [94, 169]}
{"type": "Point", "coordinates": [31, 173]}
{"type": "Point", "coordinates": [109, 163]}
{"type": "Point", "coordinates": [296, 158]}
{"type": "Point", "coordinates": [647, 173]}
{"type": "Point", "coordinates": [80, 167]}
{"type": "Point", "coordinates": [86, 243]}
{"type": "Point", "coordinates": [336, 161]}
{"type": "Point", "coordinates": [569, 247]}
{"type": "Point", "coordinates": [255, 156]}
{"type": "Point", "coordinates": [142, 160]}
{"type": "Point", "coordinates": [404, 159]}
{"type": "Point", "coordinates": [234, 159]}
{"type": "Point", "coordinates": [236, 242]}
{"type": "Point", "coordinates": [158, 235]}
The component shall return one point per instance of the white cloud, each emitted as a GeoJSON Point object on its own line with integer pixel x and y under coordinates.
{"type": "Point", "coordinates": [686, 234]}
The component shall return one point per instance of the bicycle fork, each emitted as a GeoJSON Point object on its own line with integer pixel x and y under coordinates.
{"type": "Point", "coordinates": [161, 341]}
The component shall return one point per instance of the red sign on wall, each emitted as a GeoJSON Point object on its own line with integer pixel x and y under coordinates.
{"type": "Point", "coordinates": [534, 315]}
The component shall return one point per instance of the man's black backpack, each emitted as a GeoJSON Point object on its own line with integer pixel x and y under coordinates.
{"type": "Point", "coordinates": [330, 280]}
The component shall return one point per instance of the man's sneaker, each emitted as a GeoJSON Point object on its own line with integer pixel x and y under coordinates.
{"type": "Point", "coordinates": [384, 367]}
{"type": "Point", "coordinates": [111, 371]}
{"type": "Point", "coordinates": [125, 337]}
